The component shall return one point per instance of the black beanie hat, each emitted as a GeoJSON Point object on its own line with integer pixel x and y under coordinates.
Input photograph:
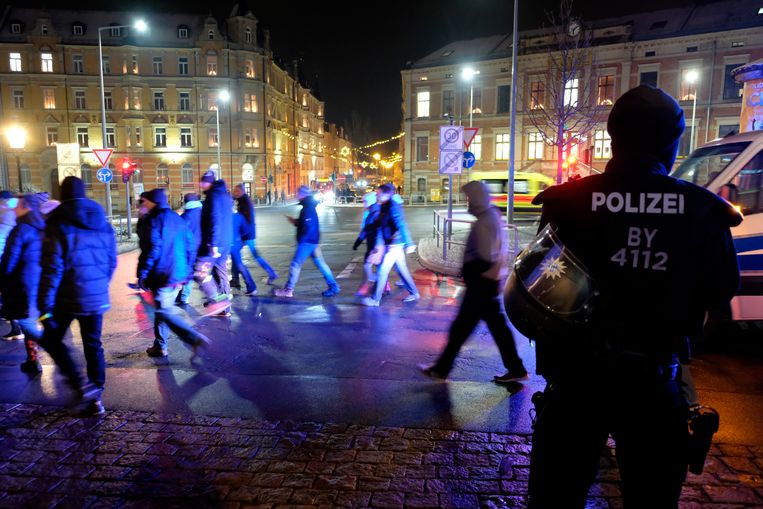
{"type": "Point", "coordinates": [191, 197]}
{"type": "Point", "coordinates": [72, 188]}
{"type": "Point", "coordinates": [155, 196]}
{"type": "Point", "coordinates": [647, 120]}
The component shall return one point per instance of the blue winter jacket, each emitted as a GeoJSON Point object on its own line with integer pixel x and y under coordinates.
{"type": "Point", "coordinates": [20, 267]}
{"type": "Point", "coordinates": [391, 223]}
{"type": "Point", "coordinates": [79, 256]}
{"type": "Point", "coordinates": [192, 218]}
{"type": "Point", "coordinates": [216, 219]}
{"type": "Point", "coordinates": [169, 255]}
{"type": "Point", "coordinates": [308, 227]}
{"type": "Point", "coordinates": [249, 231]}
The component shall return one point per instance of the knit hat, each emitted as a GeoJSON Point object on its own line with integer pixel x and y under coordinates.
{"type": "Point", "coordinates": [647, 120]}
{"type": "Point", "coordinates": [72, 188]}
{"type": "Point", "coordinates": [155, 196]}
{"type": "Point", "coordinates": [191, 197]}
{"type": "Point", "coordinates": [209, 176]}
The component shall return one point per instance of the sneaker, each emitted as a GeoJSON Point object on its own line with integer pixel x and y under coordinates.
{"type": "Point", "coordinates": [511, 377]}
{"type": "Point", "coordinates": [251, 293]}
{"type": "Point", "coordinates": [93, 409]}
{"type": "Point", "coordinates": [370, 302]}
{"type": "Point", "coordinates": [31, 367]}
{"type": "Point", "coordinates": [363, 290]}
{"type": "Point", "coordinates": [215, 308]}
{"type": "Point", "coordinates": [272, 279]}
{"type": "Point", "coordinates": [201, 342]}
{"type": "Point", "coordinates": [412, 297]}
{"type": "Point", "coordinates": [235, 284]}
{"type": "Point", "coordinates": [333, 290]}
{"type": "Point", "coordinates": [14, 335]}
{"type": "Point", "coordinates": [155, 351]}
{"type": "Point", "coordinates": [87, 393]}
{"type": "Point", "coordinates": [432, 373]}
{"type": "Point", "coordinates": [284, 292]}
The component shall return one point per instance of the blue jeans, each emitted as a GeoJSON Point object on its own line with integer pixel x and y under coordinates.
{"type": "Point", "coordinates": [90, 329]}
{"type": "Point", "coordinates": [394, 257]}
{"type": "Point", "coordinates": [238, 267]}
{"type": "Point", "coordinates": [259, 259]}
{"type": "Point", "coordinates": [168, 317]}
{"type": "Point", "coordinates": [185, 293]}
{"type": "Point", "coordinates": [314, 251]}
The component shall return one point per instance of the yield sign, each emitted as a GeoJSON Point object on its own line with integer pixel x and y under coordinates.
{"type": "Point", "coordinates": [469, 134]}
{"type": "Point", "coordinates": [103, 155]}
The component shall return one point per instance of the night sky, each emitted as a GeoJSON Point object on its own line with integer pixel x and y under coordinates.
{"type": "Point", "coordinates": [353, 52]}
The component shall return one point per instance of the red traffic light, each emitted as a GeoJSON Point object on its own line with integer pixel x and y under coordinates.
{"type": "Point", "coordinates": [128, 169]}
{"type": "Point", "coordinates": [126, 166]}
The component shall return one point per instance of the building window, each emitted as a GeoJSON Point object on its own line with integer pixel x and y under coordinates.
{"type": "Point", "coordinates": [15, 60]}
{"type": "Point", "coordinates": [211, 34]}
{"type": "Point", "coordinates": [422, 104]}
{"type": "Point", "coordinates": [421, 185]}
{"type": "Point", "coordinates": [213, 140]}
{"type": "Point", "coordinates": [26, 177]}
{"type": "Point", "coordinates": [211, 65]}
{"type": "Point", "coordinates": [162, 174]}
{"type": "Point", "coordinates": [684, 143]}
{"type": "Point", "coordinates": [502, 147]}
{"type": "Point", "coordinates": [18, 99]}
{"type": "Point", "coordinates": [186, 139]}
{"type": "Point", "coordinates": [183, 66]}
{"type": "Point", "coordinates": [128, 136]}
{"type": "Point", "coordinates": [158, 65]}
{"type": "Point", "coordinates": [602, 148]}
{"type": "Point", "coordinates": [78, 64]}
{"type": "Point", "coordinates": [248, 35]}
{"type": "Point", "coordinates": [111, 137]}
{"type": "Point", "coordinates": [159, 100]}
{"type": "Point", "coordinates": [606, 90]}
{"type": "Point", "coordinates": [649, 78]}
{"type": "Point", "coordinates": [160, 136]}
{"type": "Point", "coordinates": [15, 28]}
{"type": "Point", "coordinates": [134, 65]}
{"type": "Point", "coordinates": [82, 137]}
{"type": "Point", "coordinates": [475, 100]}
{"type": "Point", "coordinates": [87, 174]}
{"type": "Point", "coordinates": [732, 91]}
{"type": "Point", "coordinates": [138, 136]}
{"type": "Point", "coordinates": [106, 63]}
{"type": "Point", "coordinates": [422, 148]}
{"type": "Point", "coordinates": [250, 139]}
{"type": "Point", "coordinates": [687, 90]}
{"type": "Point", "coordinates": [571, 88]}
{"type": "Point", "coordinates": [79, 100]}
{"type": "Point", "coordinates": [537, 94]}
{"type": "Point", "coordinates": [503, 103]}
{"type": "Point", "coordinates": [447, 102]}
{"type": "Point", "coordinates": [182, 32]}
{"type": "Point", "coordinates": [249, 69]}
{"type": "Point", "coordinates": [49, 98]}
{"type": "Point", "coordinates": [727, 130]}
{"type": "Point", "coordinates": [186, 174]}
{"type": "Point", "coordinates": [115, 31]}
{"type": "Point", "coordinates": [211, 101]}
{"type": "Point", "coordinates": [51, 135]}
{"type": "Point", "coordinates": [46, 62]}
{"type": "Point", "coordinates": [535, 146]}
{"type": "Point", "coordinates": [185, 101]}
{"type": "Point", "coordinates": [136, 92]}
{"type": "Point", "coordinates": [108, 100]}
{"type": "Point", "coordinates": [78, 29]}
{"type": "Point", "coordinates": [43, 29]}
{"type": "Point", "coordinates": [250, 103]}
{"type": "Point", "coordinates": [476, 147]}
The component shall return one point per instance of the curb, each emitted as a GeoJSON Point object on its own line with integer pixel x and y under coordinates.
{"type": "Point", "coordinates": [430, 260]}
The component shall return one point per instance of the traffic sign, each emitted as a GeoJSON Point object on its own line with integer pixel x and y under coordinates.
{"type": "Point", "coordinates": [451, 163]}
{"type": "Point", "coordinates": [104, 175]}
{"type": "Point", "coordinates": [469, 134]}
{"type": "Point", "coordinates": [469, 160]}
{"type": "Point", "coordinates": [103, 155]}
{"type": "Point", "coordinates": [451, 149]}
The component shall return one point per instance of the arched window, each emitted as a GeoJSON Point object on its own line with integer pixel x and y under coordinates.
{"type": "Point", "coordinates": [248, 35]}
{"type": "Point", "coordinates": [211, 34]}
{"type": "Point", "coordinates": [186, 174]}
{"type": "Point", "coordinates": [162, 175]}
{"type": "Point", "coordinates": [421, 185]}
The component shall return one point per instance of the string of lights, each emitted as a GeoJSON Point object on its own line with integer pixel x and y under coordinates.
{"type": "Point", "coordinates": [381, 142]}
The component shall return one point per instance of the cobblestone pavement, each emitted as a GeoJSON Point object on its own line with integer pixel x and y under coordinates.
{"type": "Point", "coordinates": [142, 459]}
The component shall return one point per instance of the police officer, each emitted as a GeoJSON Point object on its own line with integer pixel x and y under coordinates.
{"type": "Point", "coordinates": [626, 265]}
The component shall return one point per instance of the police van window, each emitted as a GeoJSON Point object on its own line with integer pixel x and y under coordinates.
{"type": "Point", "coordinates": [749, 186]}
{"type": "Point", "coordinates": [521, 187]}
{"type": "Point", "coordinates": [495, 186]}
{"type": "Point", "coordinates": [705, 164]}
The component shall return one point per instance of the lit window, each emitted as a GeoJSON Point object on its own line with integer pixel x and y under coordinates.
{"type": "Point", "coordinates": [79, 100]}
{"type": "Point", "coordinates": [602, 148]}
{"type": "Point", "coordinates": [79, 65]}
{"type": "Point", "coordinates": [687, 89]}
{"type": "Point", "coordinates": [422, 104]}
{"type": "Point", "coordinates": [49, 98]}
{"type": "Point", "coordinates": [51, 135]}
{"type": "Point", "coordinates": [502, 147]}
{"type": "Point", "coordinates": [606, 90]}
{"type": "Point", "coordinates": [760, 10]}
{"type": "Point", "coordinates": [136, 92]}
{"type": "Point", "coordinates": [108, 100]}
{"type": "Point", "coordinates": [571, 88]}
{"type": "Point", "coordinates": [535, 146]}
{"type": "Point", "coordinates": [250, 103]}
{"type": "Point", "coordinates": [182, 33]}
{"type": "Point", "coordinates": [162, 174]}
{"type": "Point", "coordinates": [249, 69]}
{"type": "Point", "coordinates": [211, 65]}
{"type": "Point", "coordinates": [158, 65]}
{"type": "Point", "coordinates": [537, 95]}
{"type": "Point", "coordinates": [46, 62]}
{"type": "Point", "coordinates": [158, 100]}
{"type": "Point", "coordinates": [185, 101]}
{"type": "Point", "coordinates": [186, 139]}
{"type": "Point", "coordinates": [183, 66]}
{"type": "Point", "coordinates": [160, 136]}
{"type": "Point", "coordinates": [213, 138]}
{"type": "Point", "coordinates": [211, 101]}
{"type": "Point", "coordinates": [15, 60]}
{"type": "Point", "coordinates": [250, 138]}
{"type": "Point", "coordinates": [111, 137]}
{"type": "Point", "coordinates": [476, 147]}
{"type": "Point", "coordinates": [134, 65]}
{"type": "Point", "coordinates": [83, 138]}
{"type": "Point", "coordinates": [18, 99]}
{"type": "Point", "coordinates": [475, 100]}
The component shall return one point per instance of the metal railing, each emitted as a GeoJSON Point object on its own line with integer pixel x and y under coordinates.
{"type": "Point", "coordinates": [442, 231]}
{"type": "Point", "coordinates": [119, 224]}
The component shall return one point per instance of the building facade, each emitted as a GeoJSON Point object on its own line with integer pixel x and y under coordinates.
{"type": "Point", "coordinates": [662, 48]}
{"type": "Point", "coordinates": [161, 95]}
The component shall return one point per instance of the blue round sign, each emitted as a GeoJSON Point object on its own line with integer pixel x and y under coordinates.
{"type": "Point", "coordinates": [104, 175]}
{"type": "Point", "coordinates": [469, 160]}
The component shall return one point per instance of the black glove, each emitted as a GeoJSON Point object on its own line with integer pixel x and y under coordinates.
{"type": "Point", "coordinates": [357, 243]}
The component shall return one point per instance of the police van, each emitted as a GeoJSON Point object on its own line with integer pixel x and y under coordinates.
{"type": "Point", "coordinates": [733, 168]}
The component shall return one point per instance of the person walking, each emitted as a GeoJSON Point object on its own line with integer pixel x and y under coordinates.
{"type": "Point", "coordinates": [245, 207]}
{"type": "Point", "coordinates": [270, 196]}
{"type": "Point", "coordinates": [308, 244]}
{"type": "Point", "coordinates": [397, 242]}
{"type": "Point", "coordinates": [20, 276]}
{"type": "Point", "coordinates": [216, 240]}
{"type": "Point", "coordinates": [192, 217]}
{"type": "Point", "coordinates": [371, 234]}
{"type": "Point", "coordinates": [484, 270]}
{"type": "Point", "coordinates": [8, 204]}
{"type": "Point", "coordinates": [163, 268]}
{"type": "Point", "coordinates": [240, 229]}
{"type": "Point", "coordinates": [79, 256]}
{"type": "Point", "coordinates": [283, 196]}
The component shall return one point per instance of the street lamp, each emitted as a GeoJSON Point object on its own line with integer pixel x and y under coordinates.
{"type": "Point", "coordinates": [467, 74]}
{"type": "Point", "coordinates": [222, 96]}
{"type": "Point", "coordinates": [377, 158]}
{"type": "Point", "coordinates": [141, 27]}
{"type": "Point", "coordinates": [692, 77]}
{"type": "Point", "coordinates": [17, 140]}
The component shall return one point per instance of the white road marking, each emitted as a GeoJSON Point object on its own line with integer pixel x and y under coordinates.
{"type": "Point", "coordinates": [350, 267]}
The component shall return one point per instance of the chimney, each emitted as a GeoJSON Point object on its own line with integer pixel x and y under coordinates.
{"type": "Point", "coordinates": [266, 43]}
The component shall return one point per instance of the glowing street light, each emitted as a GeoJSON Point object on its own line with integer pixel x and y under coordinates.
{"type": "Point", "coordinates": [17, 140]}
{"type": "Point", "coordinates": [692, 78]}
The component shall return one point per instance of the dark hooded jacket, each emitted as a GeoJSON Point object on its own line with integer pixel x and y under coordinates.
{"type": "Point", "coordinates": [79, 256]}
{"type": "Point", "coordinates": [216, 219]}
{"type": "Point", "coordinates": [486, 251]}
{"type": "Point", "coordinates": [169, 254]}
{"type": "Point", "coordinates": [308, 227]}
{"type": "Point", "coordinates": [392, 225]}
{"type": "Point", "coordinates": [245, 209]}
{"type": "Point", "coordinates": [20, 267]}
{"type": "Point", "coordinates": [192, 218]}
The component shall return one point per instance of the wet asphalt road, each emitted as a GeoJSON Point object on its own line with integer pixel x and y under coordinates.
{"type": "Point", "coordinates": [331, 360]}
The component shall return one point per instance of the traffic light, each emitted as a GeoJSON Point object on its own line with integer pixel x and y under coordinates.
{"type": "Point", "coordinates": [129, 168]}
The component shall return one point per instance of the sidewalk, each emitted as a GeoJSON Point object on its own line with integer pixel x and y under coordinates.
{"type": "Point", "coordinates": [142, 459]}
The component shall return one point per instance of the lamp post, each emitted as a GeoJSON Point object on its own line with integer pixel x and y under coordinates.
{"type": "Point", "coordinates": [17, 140]}
{"type": "Point", "coordinates": [141, 27]}
{"type": "Point", "coordinates": [222, 96]}
{"type": "Point", "coordinates": [512, 117]}
{"type": "Point", "coordinates": [377, 158]}
{"type": "Point", "coordinates": [467, 74]}
{"type": "Point", "coordinates": [692, 77]}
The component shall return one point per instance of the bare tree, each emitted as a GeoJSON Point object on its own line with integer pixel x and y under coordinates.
{"type": "Point", "coordinates": [564, 108]}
